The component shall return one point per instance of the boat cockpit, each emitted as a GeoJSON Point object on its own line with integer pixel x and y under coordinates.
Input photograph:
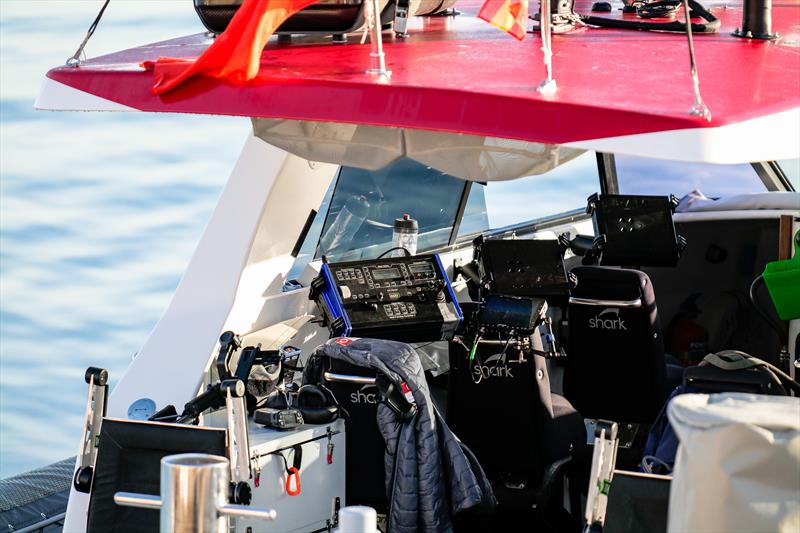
{"type": "Point", "coordinates": [377, 315]}
{"type": "Point", "coordinates": [442, 292]}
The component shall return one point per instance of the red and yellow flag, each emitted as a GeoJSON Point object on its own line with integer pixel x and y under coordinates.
{"type": "Point", "coordinates": [235, 54]}
{"type": "Point", "coordinates": [509, 15]}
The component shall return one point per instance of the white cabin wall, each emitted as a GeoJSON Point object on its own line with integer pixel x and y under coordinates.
{"type": "Point", "coordinates": [170, 365]}
{"type": "Point", "coordinates": [259, 300]}
{"type": "Point", "coordinates": [243, 251]}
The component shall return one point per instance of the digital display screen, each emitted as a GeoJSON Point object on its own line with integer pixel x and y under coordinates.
{"type": "Point", "coordinates": [386, 273]}
{"type": "Point", "coordinates": [417, 268]}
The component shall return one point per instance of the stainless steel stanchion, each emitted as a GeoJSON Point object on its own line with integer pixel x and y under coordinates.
{"type": "Point", "coordinates": [377, 57]}
{"type": "Point", "coordinates": [194, 496]}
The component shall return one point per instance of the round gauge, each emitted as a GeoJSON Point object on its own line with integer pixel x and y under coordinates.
{"type": "Point", "coordinates": [141, 409]}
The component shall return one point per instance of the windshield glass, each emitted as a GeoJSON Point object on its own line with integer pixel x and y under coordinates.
{"type": "Point", "coordinates": [562, 189]}
{"type": "Point", "coordinates": [639, 175]}
{"type": "Point", "coordinates": [365, 204]}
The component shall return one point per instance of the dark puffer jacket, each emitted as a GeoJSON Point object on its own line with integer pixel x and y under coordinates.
{"type": "Point", "coordinates": [430, 474]}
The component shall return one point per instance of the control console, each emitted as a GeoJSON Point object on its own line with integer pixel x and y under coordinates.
{"type": "Point", "coordinates": [407, 299]}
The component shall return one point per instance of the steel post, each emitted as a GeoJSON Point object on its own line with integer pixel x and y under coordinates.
{"type": "Point", "coordinates": [194, 496]}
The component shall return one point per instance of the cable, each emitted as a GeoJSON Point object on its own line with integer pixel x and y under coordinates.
{"type": "Point", "coordinates": [711, 25]}
{"type": "Point", "coordinates": [408, 254]}
{"type": "Point", "coordinates": [505, 349]}
{"type": "Point", "coordinates": [471, 361]}
{"type": "Point", "coordinates": [75, 60]}
{"type": "Point", "coordinates": [280, 454]}
{"type": "Point", "coordinates": [658, 9]}
{"type": "Point", "coordinates": [757, 305]}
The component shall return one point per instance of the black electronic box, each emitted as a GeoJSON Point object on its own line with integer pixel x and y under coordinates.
{"type": "Point", "coordinates": [406, 299]}
{"type": "Point", "coordinates": [522, 267]}
{"type": "Point", "coordinates": [635, 230]}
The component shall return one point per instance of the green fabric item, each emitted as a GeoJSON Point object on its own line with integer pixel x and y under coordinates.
{"type": "Point", "coordinates": [782, 279]}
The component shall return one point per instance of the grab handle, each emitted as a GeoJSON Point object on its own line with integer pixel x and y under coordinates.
{"type": "Point", "coordinates": [347, 378]}
{"type": "Point", "coordinates": [628, 304]}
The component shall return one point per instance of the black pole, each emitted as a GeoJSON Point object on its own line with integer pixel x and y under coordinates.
{"type": "Point", "coordinates": [607, 169]}
{"type": "Point", "coordinates": [756, 20]}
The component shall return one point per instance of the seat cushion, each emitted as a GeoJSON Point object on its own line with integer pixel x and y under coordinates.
{"type": "Point", "coordinates": [565, 430]}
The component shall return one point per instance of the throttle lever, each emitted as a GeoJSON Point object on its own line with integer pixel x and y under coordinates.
{"type": "Point", "coordinates": [229, 342]}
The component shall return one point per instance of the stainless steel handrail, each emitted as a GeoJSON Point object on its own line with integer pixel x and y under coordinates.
{"type": "Point", "coordinates": [346, 378]}
{"type": "Point", "coordinates": [41, 525]}
{"type": "Point", "coordinates": [605, 303]}
{"type": "Point", "coordinates": [496, 342]}
{"type": "Point", "coordinates": [141, 501]}
{"type": "Point", "coordinates": [194, 495]}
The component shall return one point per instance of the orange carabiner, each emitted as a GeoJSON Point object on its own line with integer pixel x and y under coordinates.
{"type": "Point", "coordinates": [293, 473]}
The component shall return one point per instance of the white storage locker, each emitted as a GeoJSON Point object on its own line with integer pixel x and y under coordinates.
{"type": "Point", "coordinates": [322, 484]}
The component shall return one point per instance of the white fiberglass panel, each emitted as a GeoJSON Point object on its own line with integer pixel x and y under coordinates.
{"type": "Point", "coordinates": [740, 142]}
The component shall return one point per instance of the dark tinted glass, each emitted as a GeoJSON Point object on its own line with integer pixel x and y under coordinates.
{"type": "Point", "coordinates": [366, 203]}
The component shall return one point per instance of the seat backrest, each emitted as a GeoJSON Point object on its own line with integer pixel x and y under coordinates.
{"type": "Point", "coordinates": [129, 460]}
{"type": "Point", "coordinates": [615, 366]}
{"type": "Point", "coordinates": [496, 405]}
{"type": "Point", "coordinates": [365, 480]}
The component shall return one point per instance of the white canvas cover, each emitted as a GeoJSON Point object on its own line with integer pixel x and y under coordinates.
{"type": "Point", "coordinates": [738, 463]}
{"type": "Point", "coordinates": [469, 157]}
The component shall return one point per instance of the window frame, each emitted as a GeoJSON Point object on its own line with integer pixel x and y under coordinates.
{"type": "Point", "coordinates": [607, 173]}
{"type": "Point", "coordinates": [462, 206]}
{"type": "Point", "coordinates": [773, 176]}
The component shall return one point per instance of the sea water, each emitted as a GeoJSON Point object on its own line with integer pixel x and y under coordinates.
{"type": "Point", "coordinates": [99, 215]}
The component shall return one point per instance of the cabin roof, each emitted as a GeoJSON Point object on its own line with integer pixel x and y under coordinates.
{"type": "Point", "coordinates": [461, 75]}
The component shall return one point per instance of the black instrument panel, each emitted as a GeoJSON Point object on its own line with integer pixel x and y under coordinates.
{"type": "Point", "coordinates": [399, 298]}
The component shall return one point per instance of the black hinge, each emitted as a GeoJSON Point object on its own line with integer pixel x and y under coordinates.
{"type": "Point", "coordinates": [317, 284]}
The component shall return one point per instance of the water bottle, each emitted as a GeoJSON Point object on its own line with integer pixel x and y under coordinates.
{"type": "Point", "coordinates": [406, 235]}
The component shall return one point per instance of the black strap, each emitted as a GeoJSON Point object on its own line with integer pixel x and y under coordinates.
{"type": "Point", "coordinates": [297, 461]}
{"type": "Point", "coordinates": [297, 457]}
{"type": "Point", "coordinates": [711, 25]}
